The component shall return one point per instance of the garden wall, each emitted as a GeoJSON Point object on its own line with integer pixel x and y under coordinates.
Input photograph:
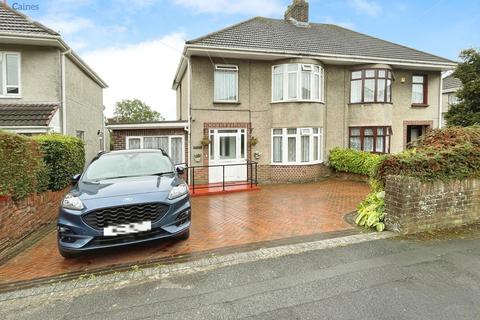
{"type": "Point", "coordinates": [18, 219]}
{"type": "Point", "coordinates": [414, 206]}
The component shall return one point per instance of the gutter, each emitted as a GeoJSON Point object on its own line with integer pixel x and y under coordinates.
{"type": "Point", "coordinates": [165, 125]}
{"type": "Point", "coordinates": [440, 104]}
{"type": "Point", "coordinates": [63, 91]}
{"type": "Point", "coordinates": [344, 58]}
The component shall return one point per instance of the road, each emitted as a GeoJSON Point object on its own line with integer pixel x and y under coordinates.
{"type": "Point", "coordinates": [382, 279]}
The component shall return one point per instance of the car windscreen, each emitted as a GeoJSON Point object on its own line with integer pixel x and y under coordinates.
{"type": "Point", "coordinates": [121, 165]}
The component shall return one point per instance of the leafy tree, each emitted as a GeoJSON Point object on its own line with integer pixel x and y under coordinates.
{"type": "Point", "coordinates": [135, 110]}
{"type": "Point", "coordinates": [467, 111]}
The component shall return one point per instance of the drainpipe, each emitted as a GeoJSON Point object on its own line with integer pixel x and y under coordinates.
{"type": "Point", "coordinates": [64, 96]}
{"type": "Point", "coordinates": [440, 97]}
{"type": "Point", "coordinates": [189, 115]}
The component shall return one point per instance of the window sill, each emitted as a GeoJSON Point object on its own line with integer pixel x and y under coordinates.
{"type": "Point", "coordinates": [226, 102]}
{"type": "Point", "coordinates": [297, 101]}
{"type": "Point", "coordinates": [296, 163]}
{"type": "Point", "coordinates": [419, 105]}
{"type": "Point", "coordinates": [11, 97]}
{"type": "Point", "coordinates": [360, 103]}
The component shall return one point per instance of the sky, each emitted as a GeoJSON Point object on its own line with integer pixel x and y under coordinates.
{"type": "Point", "coordinates": [136, 45]}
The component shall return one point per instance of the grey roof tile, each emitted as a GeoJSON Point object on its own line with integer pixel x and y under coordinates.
{"type": "Point", "coordinates": [12, 21]}
{"type": "Point", "coordinates": [23, 114]}
{"type": "Point", "coordinates": [450, 83]}
{"type": "Point", "coordinates": [273, 34]}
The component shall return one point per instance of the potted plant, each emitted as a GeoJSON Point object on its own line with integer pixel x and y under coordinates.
{"type": "Point", "coordinates": [205, 142]}
{"type": "Point", "coordinates": [253, 141]}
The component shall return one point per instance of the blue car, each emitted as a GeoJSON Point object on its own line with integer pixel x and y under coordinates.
{"type": "Point", "coordinates": [124, 197]}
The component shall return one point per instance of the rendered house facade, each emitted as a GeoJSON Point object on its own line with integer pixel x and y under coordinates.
{"type": "Point", "coordinates": [301, 89]}
{"type": "Point", "coordinates": [450, 87]}
{"type": "Point", "coordinates": [45, 86]}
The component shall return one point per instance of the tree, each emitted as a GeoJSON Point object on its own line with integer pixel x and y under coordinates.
{"type": "Point", "coordinates": [467, 111]}
{"type": "Point", "coordinates": [135, 110]}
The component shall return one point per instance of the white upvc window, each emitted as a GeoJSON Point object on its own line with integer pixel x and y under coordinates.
{"type": "Point", "coordinates": [10, 79]}
{"type": "Point", "coordinates": [173, 145]}
{"type": "Point", "coordinates": [297, 82]}
{"type": "Point", "coordinates": [225, 83]}
{"type": "Point", "coordinates": [297, 146]}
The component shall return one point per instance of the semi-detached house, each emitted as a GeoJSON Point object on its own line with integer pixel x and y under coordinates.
{"type": "Point", "coordinates": [285, 92]}
{"type": "Point", "coordinates": [45, 86]}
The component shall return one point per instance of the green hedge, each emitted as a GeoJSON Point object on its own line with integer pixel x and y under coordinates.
{"type": "Point", "coordinates": [354, 161]}
{"type": "Point", "coordinates": [22, 171]}
{"type": "Point", "coordinates": [64, 156]}
{"type": "Point", "coordinates": [442, 154]}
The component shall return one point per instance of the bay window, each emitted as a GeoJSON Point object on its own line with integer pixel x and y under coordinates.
{"type": "Point", "coordinates": [297, 82]}
{"type": "Point", "coordinates": [370, 139]}
{"type": "Point", "coordinates": [297, 145]}
{"type": "Point", "coordinates": [370, 86]}
{"type": "Point", "coordinates": [10, 74]}
{"type": "Point", "coordinates": [226, 83]}
{"type": "Point", "coordinates": [419, 90]}
{"type": "Point", "coordinates": [173, 145]}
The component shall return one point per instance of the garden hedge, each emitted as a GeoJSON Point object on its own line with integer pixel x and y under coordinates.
{"type": "Point", "coordinates": [64, 156]}
{"type": "Point", "coordinates": [441, 154]}
{"type": "Point", "coordinates": [22, 171]}
{"type": "Point", "coordinates": [354, 161]}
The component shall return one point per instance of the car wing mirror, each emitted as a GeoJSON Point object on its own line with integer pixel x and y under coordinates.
{"type": "Point", "coordinates": [180, 169]}
{"type": "Point", "coordinates": [75, 178]}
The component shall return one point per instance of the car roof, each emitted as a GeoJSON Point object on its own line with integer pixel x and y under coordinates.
{"type": "Point", "coordinates": [134, 151]}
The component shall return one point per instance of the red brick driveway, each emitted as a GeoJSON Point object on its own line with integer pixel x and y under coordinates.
{"type": "Point", "coordinates": [274, 212]}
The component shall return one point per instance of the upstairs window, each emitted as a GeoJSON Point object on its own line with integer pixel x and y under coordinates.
{"type": "Point", "coordinates": [297, 82]}
{"type": "Point", "coordinates": [419, 90]}
{"type": "Point", "coordinates": [370, 86]}
{"type": "Point", "coordinates": [10, 74]}
{"type": "Point", "coordinates": [226, 83]}
{"type": "Point", "coordinates": [453, 99]}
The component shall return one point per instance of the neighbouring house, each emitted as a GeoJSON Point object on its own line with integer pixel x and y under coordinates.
{"type": "Point", "coordinates": [283, 92]}
{"type": "Point", "coordinates": [171, 136]}
{"type": "Point", "coordinates": [449, 89]}
{"type": "Point", "coordinates": [45, 86]}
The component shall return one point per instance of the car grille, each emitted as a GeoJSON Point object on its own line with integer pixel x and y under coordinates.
{"type": "Point", "coordinates": [102, 218]}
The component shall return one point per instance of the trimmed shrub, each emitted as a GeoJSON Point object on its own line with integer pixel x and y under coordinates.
{"type": "Point", "coordinates": [442, 154]}
{"type": "Point", "coordinates": [354, 161]}
{"type": "Point", "coordinates": [64, 156]}
{"type": "Point", "coordinates": [21, 166]}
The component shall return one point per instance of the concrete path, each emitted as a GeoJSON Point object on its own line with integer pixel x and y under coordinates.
{"type": "Point", "coordinates": [381, 279]}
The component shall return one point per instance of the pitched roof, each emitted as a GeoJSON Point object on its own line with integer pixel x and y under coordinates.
{"type": "Point", "coordinates": [261, 33]}
{"type": "Point", "coordinates": [12, 21]}
{"type": "Point", "coordinates": [31, 114]}
{"type": "Point", "coordinates": [451, 83]}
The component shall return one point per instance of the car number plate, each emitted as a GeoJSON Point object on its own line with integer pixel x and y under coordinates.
{"type": "Point", "coordinates": [127, 228]}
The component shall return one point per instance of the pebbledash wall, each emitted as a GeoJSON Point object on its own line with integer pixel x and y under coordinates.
{"type": "Point", "coordinates": [414, 206]}
{"type": "Point", "coordinates": [18, 219]}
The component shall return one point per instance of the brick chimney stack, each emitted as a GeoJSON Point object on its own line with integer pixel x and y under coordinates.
{"type": "Point", "coordinates": [298, 10]}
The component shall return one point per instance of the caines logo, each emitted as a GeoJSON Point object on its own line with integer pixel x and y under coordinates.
{"type": "Point", "coordinates": [22, 6]}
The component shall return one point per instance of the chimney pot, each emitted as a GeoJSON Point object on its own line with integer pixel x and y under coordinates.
{"type": "Point", "coordinates": [298, 10]}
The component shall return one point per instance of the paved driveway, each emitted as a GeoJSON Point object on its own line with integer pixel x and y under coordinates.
{"type": "Point", "coordinates": [231, 220]}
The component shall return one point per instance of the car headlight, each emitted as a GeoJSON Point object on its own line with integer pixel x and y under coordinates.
{"type": "Point", "coordinates": [72, 202]}
{"type": "Point", "coordinates": [178, 191]}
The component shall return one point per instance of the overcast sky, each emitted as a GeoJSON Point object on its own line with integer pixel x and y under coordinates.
{"type": "Point", "coordinates": [135, 45]}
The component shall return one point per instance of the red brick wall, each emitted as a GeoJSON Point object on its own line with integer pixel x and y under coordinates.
{"type": "Point", "coordinates": [18, 219]}
{"type": "Point", "coordinates": [292, 173]}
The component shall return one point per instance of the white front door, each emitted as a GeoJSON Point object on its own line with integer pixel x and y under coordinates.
{"type": "Point", "coordinates": [227, 147]}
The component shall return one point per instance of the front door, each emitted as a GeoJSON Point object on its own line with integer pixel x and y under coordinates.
{"type": "Point", "coordinates": [227, 147]}
{"type": "Point", "coordinates": [414, 132]}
